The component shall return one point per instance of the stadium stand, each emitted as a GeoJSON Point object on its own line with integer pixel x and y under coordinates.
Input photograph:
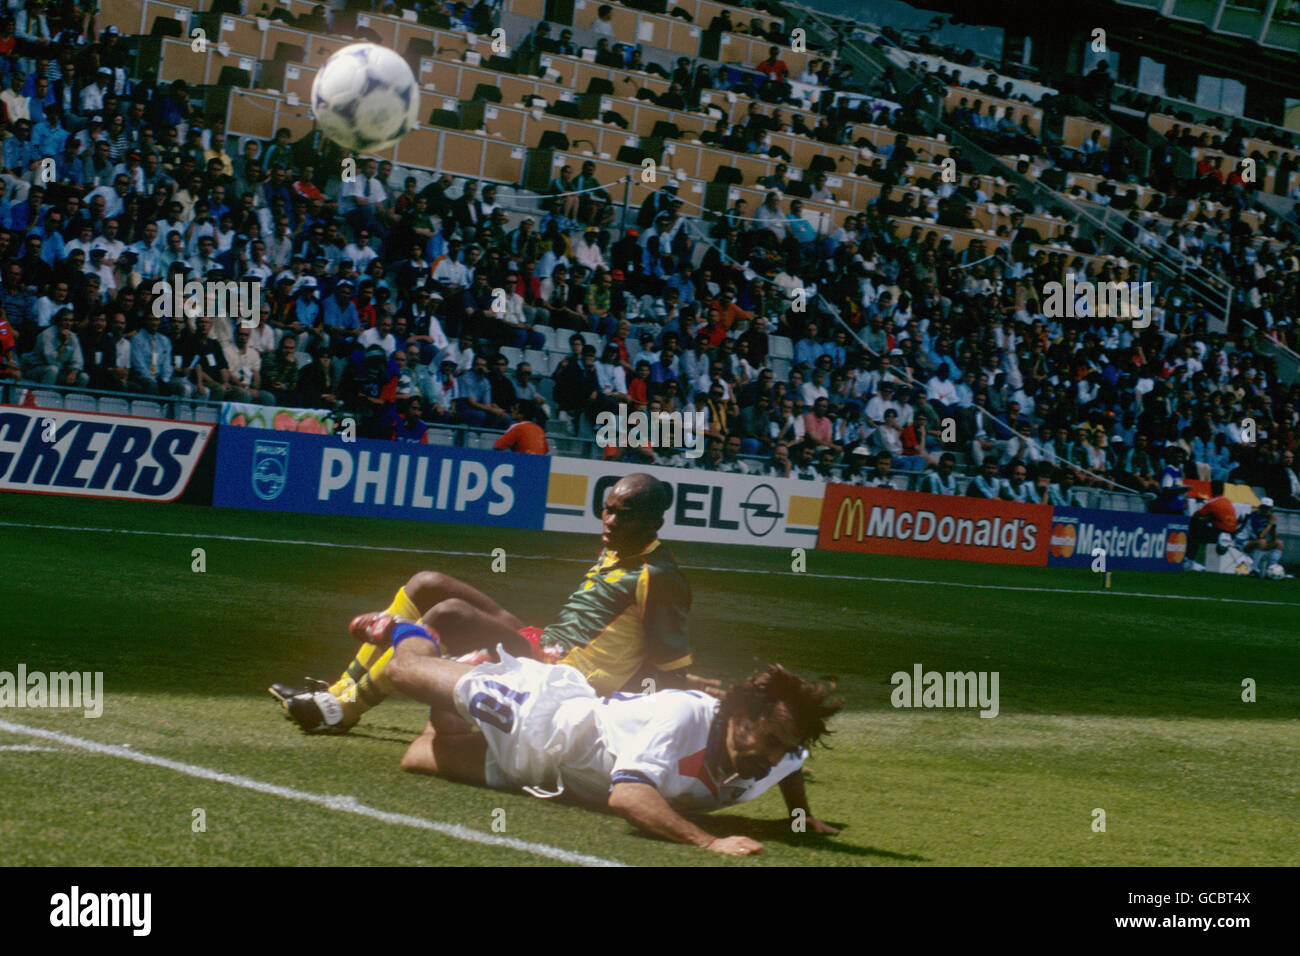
{"type": "Point", "coordinates": [830, 252]}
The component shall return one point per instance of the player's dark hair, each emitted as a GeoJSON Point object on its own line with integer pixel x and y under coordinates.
{"type": "Point", "coordinates": [810, 704]}
{"type": "Point", "coordinates": [652, 495]}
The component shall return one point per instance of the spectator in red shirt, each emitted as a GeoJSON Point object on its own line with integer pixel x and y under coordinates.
{"type": "Point", "coordinates": [774, 67]}
{"type": "Point", "coordinates": [638, 389]}
{"type": "Point", "coordinates": [525, 435]}
{"type": "Point", "coordinates": [8, 350]}
{"type": "Point", "coordinates": [1215, 517]}
{"type": "Point", "coordinates": [817, 425]}
{"type": "Point", "coordinates": [726, 313]}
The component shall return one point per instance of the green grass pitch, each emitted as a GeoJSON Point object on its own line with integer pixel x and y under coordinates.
{"type": "Point", "coordinates": [1127, 699]}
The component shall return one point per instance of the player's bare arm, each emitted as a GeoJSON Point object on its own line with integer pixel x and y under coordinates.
{"type": "Point", "coordinates": [642, 806]}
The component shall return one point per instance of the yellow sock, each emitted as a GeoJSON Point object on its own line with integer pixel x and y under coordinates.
{"type": "Point", "coordinates": [369, 691]}
{"type": "Point", "coordinates": [363, 685]}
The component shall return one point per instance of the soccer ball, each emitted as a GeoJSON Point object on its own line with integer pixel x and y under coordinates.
{"type": "Point", "coordinates": [1276, 572]}
{"type": "Point", "coordinates": [365, 97]}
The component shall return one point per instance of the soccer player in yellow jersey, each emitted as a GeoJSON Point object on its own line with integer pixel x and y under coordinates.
{"type": "Point", "coordinates": [625, 623]}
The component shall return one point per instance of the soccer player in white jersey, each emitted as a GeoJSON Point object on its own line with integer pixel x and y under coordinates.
{"type": "Point", "coordinates": [647, 757]}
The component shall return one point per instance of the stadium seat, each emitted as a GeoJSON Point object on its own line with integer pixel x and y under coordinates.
{"type": "Point", "coordinates": [208, 414]}
{"type": "Point", "coordinates": [546, 389]}
{"type": "Point", "coordinates": [76, 402]}
{"type": "Point", "coordinates": [594, 340]}
{"type": "Point", "coordinates": [233, 76]}
{"type": "Point", "coordinates": [446, 119]}
{"type": "Point", "coordinates": [512, 354]}
{"type": "Point", "coordinates": [548, 368]}
{"type": "Point", "coordinates": [416, 48]}
{"type": "Point", "coordinates": [482, 440]}
{"type": "Point", "coordinates": [146, 408]}
{"type": "Point", "coordinates": [166, 25]}
{"type": "Point", "coordinates": [781, 347]}
{"type": "Point", "coordinates": [110, 405]}
{"type": "Point", "coordinates": [289, 53]}
{"type": "Point", "coordinates": [821, 164]}
{"type": "Point", "coordinates": [569, 447]}
{"type": "Point", "coordinates": [564, 108]}
{"type": "Point", "coordinates": [47, 398]}
{"type": "Point", "coordinates": [441, 436]}
{"type": "Point", "coordinates": [553, 139]}
{"type": "Point", "coordinates": [557, 340]}
{"type": "Point", "coordinates": [781, 369]}
{"type": "Point", "coordinates": [539, 360]}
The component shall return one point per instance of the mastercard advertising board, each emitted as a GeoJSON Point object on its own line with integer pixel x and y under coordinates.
{"type": "Point", "coordinates": [1131, 541]}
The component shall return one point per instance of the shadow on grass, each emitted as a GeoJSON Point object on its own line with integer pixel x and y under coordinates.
{"type": "Point", "coordinates": [393, 735]}
{"type": "Point", "coordinates": [778, 831]}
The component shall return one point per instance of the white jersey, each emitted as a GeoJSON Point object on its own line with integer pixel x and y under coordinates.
{"type": "Point", "coordinates": [545, 727]}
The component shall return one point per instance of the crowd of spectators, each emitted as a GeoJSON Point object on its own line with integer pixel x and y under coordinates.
{"type": "Point", "coordinates": [405, 301]}
{"type": "Point", "coordinates": [1197, 219]}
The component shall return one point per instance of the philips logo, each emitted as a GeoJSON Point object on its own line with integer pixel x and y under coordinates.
{"type": "Point", "coordinates": [270, 469]}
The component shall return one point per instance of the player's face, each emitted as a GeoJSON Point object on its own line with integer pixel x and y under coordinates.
{"type": "Point", "coordinates": [756, 746]}
{"type": "Point", "coordinates": [627, 526]}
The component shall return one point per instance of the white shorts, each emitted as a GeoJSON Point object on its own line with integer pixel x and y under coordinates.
{"type": "Point", "coordinates": [514, 703]}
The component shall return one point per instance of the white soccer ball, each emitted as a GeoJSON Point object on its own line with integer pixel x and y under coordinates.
{"type": "Point", "coordinates": [1276, 572]}
{"type": "Point", "coordinates": [365, 97]}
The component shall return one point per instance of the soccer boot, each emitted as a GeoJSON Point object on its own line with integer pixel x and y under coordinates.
{"type": "Point", "coordinates": [373, 627]}
{"type": "Point", "coordinates": [313, 709]}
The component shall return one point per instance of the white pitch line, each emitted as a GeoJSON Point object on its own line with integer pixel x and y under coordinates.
{"type": "Point", "coordinates": [29, 749]}
{"type": "Point", "coordinates": [688, 567]}
{"type": "Point", "coordinates": [346, 804]}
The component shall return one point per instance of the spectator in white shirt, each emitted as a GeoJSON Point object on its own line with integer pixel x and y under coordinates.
{"type": "Point", "coordinates": [381, 335]}
{"type": "Point", "coordinates": [941, 392]}
{"type": "Point", "coordinates": [604, 23]}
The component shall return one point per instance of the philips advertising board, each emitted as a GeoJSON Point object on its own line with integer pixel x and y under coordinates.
{"type": "Point", "coordinates": [323, 474]}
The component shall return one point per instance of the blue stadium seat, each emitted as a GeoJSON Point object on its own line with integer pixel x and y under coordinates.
{"type": "Point", "coordinates": [781, 347]}
{"type": "Point", "coordinates": [539, 360]}
{"type": "Point", "coordinates": [512, 354]}
{"type": "Point", "coordinates": [557, 340]}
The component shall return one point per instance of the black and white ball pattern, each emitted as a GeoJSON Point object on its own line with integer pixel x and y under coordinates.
{"type": "Point", "coordinates": [365, 97]}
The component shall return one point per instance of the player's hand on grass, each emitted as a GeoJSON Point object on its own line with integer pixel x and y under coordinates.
{"type": "Point", "coordinates": [819, 826]}
{"type": "Point", "coordinates": [735, 846]}
{"type": "Point", "coordinates": [706, 684]}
